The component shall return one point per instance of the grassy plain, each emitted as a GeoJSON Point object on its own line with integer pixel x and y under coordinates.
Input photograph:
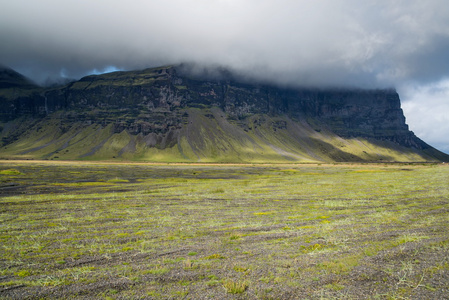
{"type": "Point", "coordinates": [142, 231]}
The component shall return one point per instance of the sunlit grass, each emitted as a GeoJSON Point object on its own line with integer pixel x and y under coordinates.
{"type": "Point", "coordinates": [257, 230]}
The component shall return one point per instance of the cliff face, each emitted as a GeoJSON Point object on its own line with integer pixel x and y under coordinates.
{"type": "Point", "coordinates": [158, 108]}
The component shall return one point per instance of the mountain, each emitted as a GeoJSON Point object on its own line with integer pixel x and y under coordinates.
{"type": "Point", "coordinates": [11, 79]}
{"type": "Point", "coordinates": [168, 114]}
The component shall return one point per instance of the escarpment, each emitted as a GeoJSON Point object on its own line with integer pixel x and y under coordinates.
{"type": "Point", "coordinates": [161, 114]}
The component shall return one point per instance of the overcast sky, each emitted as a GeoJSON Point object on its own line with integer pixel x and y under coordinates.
{"type": "Point", "coordinates": [369, 44]}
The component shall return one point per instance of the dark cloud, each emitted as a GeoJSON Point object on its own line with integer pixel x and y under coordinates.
{"type": "Point", "coordinates": [301, 42]}
{"type": "Point", "coordinates": [311, 42]}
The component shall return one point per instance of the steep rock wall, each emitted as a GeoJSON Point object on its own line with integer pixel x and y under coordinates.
{"type": "Point", "coordinates": [156, 103]}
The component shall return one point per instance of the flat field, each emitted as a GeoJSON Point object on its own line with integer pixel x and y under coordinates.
{"type": "Point", "coordinates": [146, 231]}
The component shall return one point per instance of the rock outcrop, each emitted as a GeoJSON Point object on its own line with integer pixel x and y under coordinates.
{"type": "Point", "coordinates": [162, 108]}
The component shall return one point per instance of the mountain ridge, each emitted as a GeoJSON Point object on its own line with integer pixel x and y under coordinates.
{"type": "Point", "coordinates": [11, 79]}
{"type": "Point", "coordinates": [167, 114]}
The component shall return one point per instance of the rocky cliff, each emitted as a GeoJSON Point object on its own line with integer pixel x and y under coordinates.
{"type": "Point", "coordinates": [166, 114]}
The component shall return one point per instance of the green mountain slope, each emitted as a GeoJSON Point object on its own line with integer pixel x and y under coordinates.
{"type": "Point", "coordinates": [207, 137]}
{"type": "Point", "coordinates": [159, 115]}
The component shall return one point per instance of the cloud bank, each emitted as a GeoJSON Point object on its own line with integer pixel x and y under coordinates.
{"type": "Point", "coordinates": [383, 43]}
{"type": "Point", "coordinates": [328, 42]}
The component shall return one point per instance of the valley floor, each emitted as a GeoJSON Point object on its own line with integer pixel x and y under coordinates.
{"type": "Point", "coordinates": [91, 230]}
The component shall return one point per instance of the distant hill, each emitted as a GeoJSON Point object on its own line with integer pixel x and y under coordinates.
{"type": "Point", "coordinates": [11, 79]}
{"type": "Point", "coordinates": [168, 115]}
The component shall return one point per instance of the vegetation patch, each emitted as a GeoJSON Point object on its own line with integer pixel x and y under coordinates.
{"type": "Point", "coordinates": [10, 172]}
{"type": "Point", "coordinates": [235, 287]}
{"type": "Point", "coordinates": [258, 231]}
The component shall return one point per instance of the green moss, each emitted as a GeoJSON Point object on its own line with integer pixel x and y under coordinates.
{"type": "Point", "coordinates": [156, 271]}
{"type": "Point", "coordinates": [11, 172]}
{"type": "Point", "coordinates": [23, 273]}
